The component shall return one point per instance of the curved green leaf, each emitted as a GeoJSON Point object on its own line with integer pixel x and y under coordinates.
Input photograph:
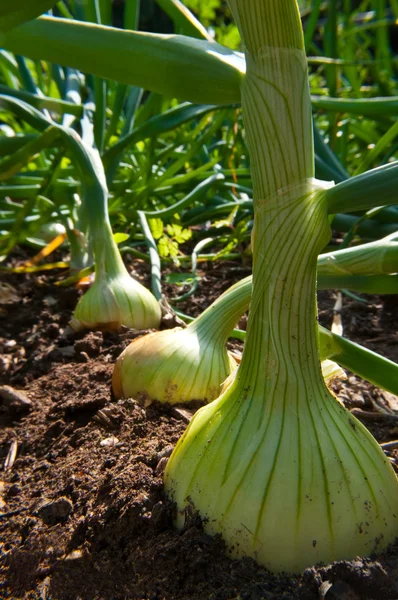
{"type": "Point", "coordinates": [173, 65]}
{"type": "Point", "coordinates": [16, 12]}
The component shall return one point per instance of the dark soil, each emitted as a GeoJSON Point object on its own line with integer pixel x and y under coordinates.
{"type": "Point", "coordinates": [82, 509]}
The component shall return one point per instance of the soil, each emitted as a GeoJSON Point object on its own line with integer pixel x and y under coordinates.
{"type": "Point", "coordinates": [82, 509]}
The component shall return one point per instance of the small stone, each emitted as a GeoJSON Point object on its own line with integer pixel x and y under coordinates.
{"type": "Point", "coordinates": [159, 517]}
{"type": "Point", "coordinates": [340, 590]}
{"type": "Point", "coordinates": [56, 510]}
{"type": "Point", "coordinates": [10, 345]}
{"type": "Point", "coordinates": [160, 467]}
{"type": "Point", "coordinates": [356, 400]}
{"type": "Point", "coordinates": [14, 399]}
{"type": "Point", "coordinates": [50, 301]}
{"type": "Point", "coordinates": [8, 294]}
{"type": "Point", "coordinates": [391, 401]}
{"type": "Point", "coordinates": [185, 414]}
{"type": "Point", "coordinates": [109, 442]}
{"type": "Point", "coordinates": [5, 363]}
{"type": "Point", "coordinates": [74, 555]}
{"type": "Point", "coordinates": [14, 490]}
{"type": "Point", "coordinates": [166, 452]}
{"type": "Point", "coordinates": [66, 351]}
{"type": "Point", "coordinates": [323, 589]}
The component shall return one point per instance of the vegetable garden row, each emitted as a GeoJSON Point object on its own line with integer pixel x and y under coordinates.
{"type": "Point", "coordinates": [178, 154]}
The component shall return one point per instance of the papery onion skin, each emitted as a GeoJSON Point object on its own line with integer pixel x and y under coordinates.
{"type": "Point", "coordinates": [115, 303]}
{"type": "Point", "coordinates": [296, 497]}
{"type": "Point", "coordinates": [172, 366]}
{"type": "Point", "coordinates": [181, 365]}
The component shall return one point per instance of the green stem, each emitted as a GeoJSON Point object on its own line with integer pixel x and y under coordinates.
{"type": "Point", "coordinates": [197, 193]}
{"type": "Point", "coordinates": [108, 262]}
{"type": "Point", "coordinates": [325, 154]}
{"type": "Point", "coordinates": [156, 269]}
{"type": "Point", "coordinates": [367, 107]}
{"type": "Point", "coordinates": [219, 318]}
{"type": "Point", "coordinates": [366, 229]}
{"type": "Point", "coordinates": [41, 102]}
{"type": "Point", "coordinates": [368, 190]}
{"type": "Point", "coordinates": [374, 258]}
{"type": "Point", "coordinates": [26, 75]}
{"type": "Point", "coordinates": [367, 284]}
{"type": "Point", "coordinates": [290, 218]}
{"type": "Point", "coordinates": [282, 321]}
{"type": "Point", "coordinates": [371, 366]}
{"type": "Point", "coordinates": [132, 14]}
{"type": "Point", "coordinates": [223, 314]}
{"type": "Point", "coordinates": [330, 42]}
{"type": "Point", "coordinates": [92, 14]}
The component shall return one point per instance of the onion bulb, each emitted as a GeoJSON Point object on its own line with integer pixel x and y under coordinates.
{"type": "Point", "coordinates": [180, 365]}
{"type": "Point", "coordinates": [276, 464]}
{"type": "Point", "coordinates": [115, 299]}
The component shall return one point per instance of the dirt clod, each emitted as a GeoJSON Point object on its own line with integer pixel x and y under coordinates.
{"type": "Point", "coordinates": [56, 510]}
{"type": "Point", "coordinates": [12, 399]}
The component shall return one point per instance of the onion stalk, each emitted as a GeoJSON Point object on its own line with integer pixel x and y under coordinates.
{"type": "Point", "coordinates": [276, 464]}
{"type": "Point", "coordinates": [373, 258]}
{"type": "Point", "coordinates": [115, 299]}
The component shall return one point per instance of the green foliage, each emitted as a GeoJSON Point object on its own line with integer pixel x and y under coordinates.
{"type": "Point", "coordinates": [228, 36]}
{"type": "Point", "coordinates": [120, 237]}
{"type": "Point", "coordinates": [156, 152]}
{"type": "Point", "coordinates": [216, 15]}
{"type": "Point", "coordinates": [206, 10]}
{"type": "Point", "coordinates": [181, 279]}
{"type": "Point", "coordinates": [169, 237]}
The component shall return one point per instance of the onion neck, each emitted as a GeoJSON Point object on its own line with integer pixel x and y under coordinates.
{"type": "Point", "coordinates": [282, 339]}
{"type": "Point", "coordinates": [291, 225]}
{"type": "Point", "coordinates": [274, 22]}
{"type": "Point", "coordinates": [218, 320]}
{"type": "Point", "coordinates": [108, 262]}
{"type": "Point", "coordinates": [94, 210]}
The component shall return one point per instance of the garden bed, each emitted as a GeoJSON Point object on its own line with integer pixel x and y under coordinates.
{"type": "Point", "coordinates": [82, 509]}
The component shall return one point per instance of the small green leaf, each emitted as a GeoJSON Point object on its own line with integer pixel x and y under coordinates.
{"type": "Point", "coordinates": [181, 278]}
{"type": "Point", "coordinates": [156, 226]}
{"type": "Point", "coordinates": [179, 234]}
{"type": "Point", "coordinates": [167, 247]}
{"type": "Point", "coordinates": [120, 237]}
{"type": "Point", "coordinates": [183, 236]}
